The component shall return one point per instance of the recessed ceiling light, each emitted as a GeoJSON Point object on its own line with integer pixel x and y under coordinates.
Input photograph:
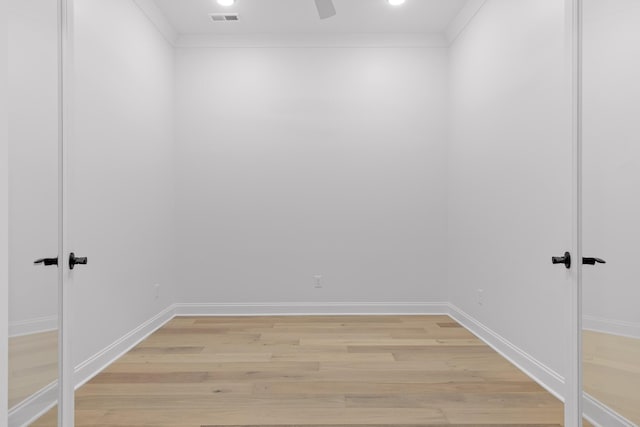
{"type": "Point", "coordinates": [396, 2]}
{"type": "Point", "coordinates": [226, 2]}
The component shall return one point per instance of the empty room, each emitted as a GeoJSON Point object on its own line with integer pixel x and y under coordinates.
{"type": "Point", "coordinates": [282, 213]}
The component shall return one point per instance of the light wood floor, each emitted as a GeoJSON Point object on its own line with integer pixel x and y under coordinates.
{"type": "Point", "coordinates": [33, 364]}
{"type": "Point", "coordinates": [391, 371]}
{"type": "Point", "coordinates": [612, 372]}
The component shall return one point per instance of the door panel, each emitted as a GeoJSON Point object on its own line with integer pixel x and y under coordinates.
{"type": "Point", "coordinates": [611, 204]}
{"type": "Point", "coordinates": [33, 207]}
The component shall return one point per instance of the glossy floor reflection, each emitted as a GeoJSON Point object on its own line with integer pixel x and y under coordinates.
{"type": "Point", "coordinates": [33, 364]}
{"type": "Point", "coordinates": [612, 372]}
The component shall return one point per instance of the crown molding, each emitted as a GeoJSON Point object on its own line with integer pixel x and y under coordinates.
{"type": "Point", "coordinates": [344, 40]}
{"type": "Point", "coordinates": [309, 40]}
{"type": "Point", "coordinates": [158, 19]}
{"type": "Point", "coordinates": [462, 20]}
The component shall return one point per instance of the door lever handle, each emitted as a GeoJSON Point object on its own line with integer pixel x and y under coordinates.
{"type": "Point", "coordinates": [566, 260]}
{"type": "Point", "coordinates": [593, 261]}
{"type": "Point", "coordinates": [73, 260]}
{"type": "Point", "coordinates": [46, 261]}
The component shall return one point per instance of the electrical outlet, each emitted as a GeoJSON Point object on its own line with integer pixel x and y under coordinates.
{"type": "Point", "coordinates": [156, 291]}
{"type": "Point", "coordinates": [480, 296]}
{"type": "Point", "coordinates": [317, 279]}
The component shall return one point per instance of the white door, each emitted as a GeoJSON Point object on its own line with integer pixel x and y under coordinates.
{"type": "Point", "coordinates": [34, 204]}
{"type": "Point", "coordinates": [39, 371]}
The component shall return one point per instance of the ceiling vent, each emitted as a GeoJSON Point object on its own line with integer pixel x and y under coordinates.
{"type": "Point", "coordinates": [225, 17]}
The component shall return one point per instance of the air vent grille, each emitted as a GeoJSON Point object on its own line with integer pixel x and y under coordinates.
{"type": "Point", "coordinates": [224, 17]}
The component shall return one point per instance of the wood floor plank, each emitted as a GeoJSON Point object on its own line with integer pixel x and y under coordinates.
{"type": "Point", "coordinates": [391, 425]}
{"type": "Point", "coordinates": [195, 358]}
{"type": "Point", "coordinates": [274, 348]}
{"type": "Point", "coordinates": [168, 350]}
{"type": "Point", "coordinates": [395, 371]}
{"type": "Point", "coordinates": [216, 370]}
{"type": "Point", "coordinates": [246, 415]}
{"type": "Point", "coordinates": [334, 357]}
{"type": "Point", "coordinates": [364, 341]}
{"type": "Point", "coordinates": [319, 388]}
{"type": "Point", "coordinates": [167, 389]}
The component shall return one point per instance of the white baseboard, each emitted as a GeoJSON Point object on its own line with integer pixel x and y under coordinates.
{"type": "Point", "coordinates": [307, 309]}
{"type": "Point", "coordinates": [38, 404]}
{"type": "Point", "coordinates": [594, 411]}
{"type": "Point", "coordinates": [101, 360]}
{"type": "Point", "coordinates": [611, 326]}
{"type": "Point", "coordinates": [537, 371]}
{"type": "Point", "coordinates": [34, 407]}
{"type": "Point", "coordinates": [33, 326]}
{"type": "Point", "coordinates": [462, 19]}
{"type": "Point", "coordinates": [600, 415]}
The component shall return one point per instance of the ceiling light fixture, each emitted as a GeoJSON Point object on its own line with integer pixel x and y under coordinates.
{"type": "Point", "coordinates": [396, 2]}
{"type": "Point", "coordinates": [226, 2]}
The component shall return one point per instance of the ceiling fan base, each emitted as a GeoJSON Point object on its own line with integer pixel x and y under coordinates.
{"type": "Point", "coordinates": [326, 8]}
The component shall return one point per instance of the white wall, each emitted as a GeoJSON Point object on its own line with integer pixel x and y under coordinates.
{"type": "Point", "coordinates": [33, 152]}
{"type": "Point", "coordinates": [510, 174]}
{"type": "Point", "coordinates": [292, 162]}
{"type": "Point", "coordinates": [612, 163]}
{"type": "Point", "coordinates": [295, 162]}
{"type": "Point", "coordinates": [121, 178]}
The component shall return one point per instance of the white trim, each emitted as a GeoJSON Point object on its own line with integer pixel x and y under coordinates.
{"type": "Point", "coordinates": [462, 20]}
{"type": "Point", "coordinates": [310, 40]}
{"type": "Point", "coordinates": [35, 406]}
{"type": "Point", "coordinates": [611, 326]}
{"type": "Point", "coordinates": [552, 381]}
{"type": "Point", "coordinates": [66, 397]}
{"type": "Point", "coordinates": [4, 217]}
{"type": "Point", "coordinates": [39, 403]}
{"type": "Point", "coordinates": [573, 42]}
{"type": "Point", "coordinates": [536, 370]}
{"type": "Point", "coordinates": [270, 40]}
{"type": "Point", "coordinates": [594, 411]}
{"type": "Point", "coordinates": [602, 416]}
{"type": "Point", "coordinates": [307, 309]}
{"type": "Point", "coordinates": [91, 367]}
{"type": "Point", "coordinates": [33, 326]}
{"type": "Point", "coordinates": [158, 19]}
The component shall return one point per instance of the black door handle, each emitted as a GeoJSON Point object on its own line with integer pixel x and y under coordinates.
{"type": "Point", "coordinates": [46, 261]}
{"type": "Point", "coordinates": [593, 261]}
{"type": "Point", "coordinates": [73, 260]}
{"type": "Point", "coordinates": [566, 260]}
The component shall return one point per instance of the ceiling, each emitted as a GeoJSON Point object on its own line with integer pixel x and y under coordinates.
{"type": "Point", "coordinates": [301, 16]}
